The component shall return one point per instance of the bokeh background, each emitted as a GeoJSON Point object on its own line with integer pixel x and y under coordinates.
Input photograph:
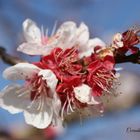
{"type": "Point", "coordinates": [104, 18]}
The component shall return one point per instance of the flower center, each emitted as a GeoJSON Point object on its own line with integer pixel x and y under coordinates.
{"type": "Point", "coordinates": [104, 79]}
{"type": "Point", "coordinates": [44, 40]}
{"type": "Point", "coordinates": [39, 87]}
{"type": "Point", "coordinates": [66, 61]}
{"type": "Point", "coordinates": [48, 40]}
{"type": "Point", "coordinates": [70, 103]}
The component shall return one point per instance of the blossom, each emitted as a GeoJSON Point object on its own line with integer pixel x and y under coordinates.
{"type": "Point", "coordinates": [130, 39]}
{"type": "Point", "coordinates": [74, 95]}
{"type": "Point", "coordinates": [101, 75]}
{"type": "Point", "coordinates": [37, 42]}
{"type": "Point", "coordinates": [72, 36]}
{"type": "Point", "coordinates": [65, 91]}
{"type": "Point", "coordinates": [37, 98]}
{"type": "Point", "coordinates": [73, 72]}
{"type": "Point", "coordinates": [67, 36]}
{"type": "Point", "coordinates": [126, 41]}
{"type": "Point", "coordinates": [64, 63]}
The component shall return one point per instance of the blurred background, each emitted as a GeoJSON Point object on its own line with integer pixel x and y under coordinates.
{"type": "Point", "coordinates": [104, 18]}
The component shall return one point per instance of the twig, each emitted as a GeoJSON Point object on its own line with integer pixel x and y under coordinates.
{"type": "Point", "coordinates": [12, 60]}
{"type": "Point", "coordinates": [9, 59]}
{"type": "Point", "coordinates": [133, 58]}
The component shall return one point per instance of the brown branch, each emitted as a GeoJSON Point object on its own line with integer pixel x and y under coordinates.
{"type": "Point", "coordinates": [12, 60]}
{"type": "Point", "coordinates": [9, 59]}
{"type": "Point", "coordinates": [133, 58]}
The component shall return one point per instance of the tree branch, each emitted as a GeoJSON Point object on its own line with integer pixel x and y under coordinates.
{"type": "Point", "coordinates": [133, 58]}
{"type": "Point", "coordinates": [12, 60]}
{"type": "Point", "coordinates": [9, 59]}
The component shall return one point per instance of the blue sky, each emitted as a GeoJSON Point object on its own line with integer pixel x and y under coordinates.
{"type": "Point", "coordinates": [104, 18]}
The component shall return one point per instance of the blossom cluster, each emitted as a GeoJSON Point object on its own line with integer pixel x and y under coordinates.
{"type": "Point", "coordinates": [74, 72]}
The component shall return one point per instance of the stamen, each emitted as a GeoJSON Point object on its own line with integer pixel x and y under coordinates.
{"type": "Point", "coordinates": [54, 29]}
{"type": "Point", "coordinates": [71, 106]}
{"type": "Point", "coordinates": [24, 93]}
{"type": "Point", "coordinates": [41, 103]}
{"type": "Point", "coordinates": [20, 91]}
{"type": "Point", "coordinates": [68, 106]}
{"type": "Point", "coordinates": [32, 102]}
{"type": "Point", "coordinates": [62, 111]}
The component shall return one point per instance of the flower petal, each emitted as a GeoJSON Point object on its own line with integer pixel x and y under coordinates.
{"type": "Point", "coordinates": [20, 71]}
{"type": "Point", "coordinates": [92, 43]}
{"type": "Point", "coordinates": [83, 93]}
{"type": "Point", "coordinates": [85, 53]}
{"type": "Point", "coordinates": [89, 49]}
{"type": "Point", "coordinates": [32, 33]}
{"type": "Point", "coordinates": [50, 77]}
{"type": "Point", "coordinates": [39, 117]}
{"type": "Point", "coordinates": [14, 98]}
{"type": "Point", "coordinates": [82, 35]}
{"type": "Point", "coordinates": [117, 41]}
{"type": "Point", "coordinates": [34, 49]}
{"type": "Point", "coordinates": [66, 35]}
{"type": "Point", "coordinates": [56, 104]}
{"type": "Point", "coordinates": [56, 121]}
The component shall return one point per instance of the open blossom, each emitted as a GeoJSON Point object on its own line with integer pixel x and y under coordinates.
{"type": "Point", "coordinates": [65, 91]}
{"type": "Point", "coordinates": [64, 63]}
{"type": "Point", "coordinates": [75, 95]}
{"type": "Point", "coordinates": [37, 42]}
{"type": "Point", "coordinates": [101, 75]}
{"type": "Point", "coordinates": [67, 36]}
{"type": "Point", "coordinates": [72, 74]}
{"type": "Point", "coordinates": [36, 98]}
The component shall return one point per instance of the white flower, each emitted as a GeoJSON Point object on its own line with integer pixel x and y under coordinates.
{"type": "Point", "coordinates": [36, 99]}
{"type": "Point", "coordinates": [67, 36]}
{"type": "Point", "coordinates": [37, 43]}
{"type": "Point", "coordinates": [83, 93]}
